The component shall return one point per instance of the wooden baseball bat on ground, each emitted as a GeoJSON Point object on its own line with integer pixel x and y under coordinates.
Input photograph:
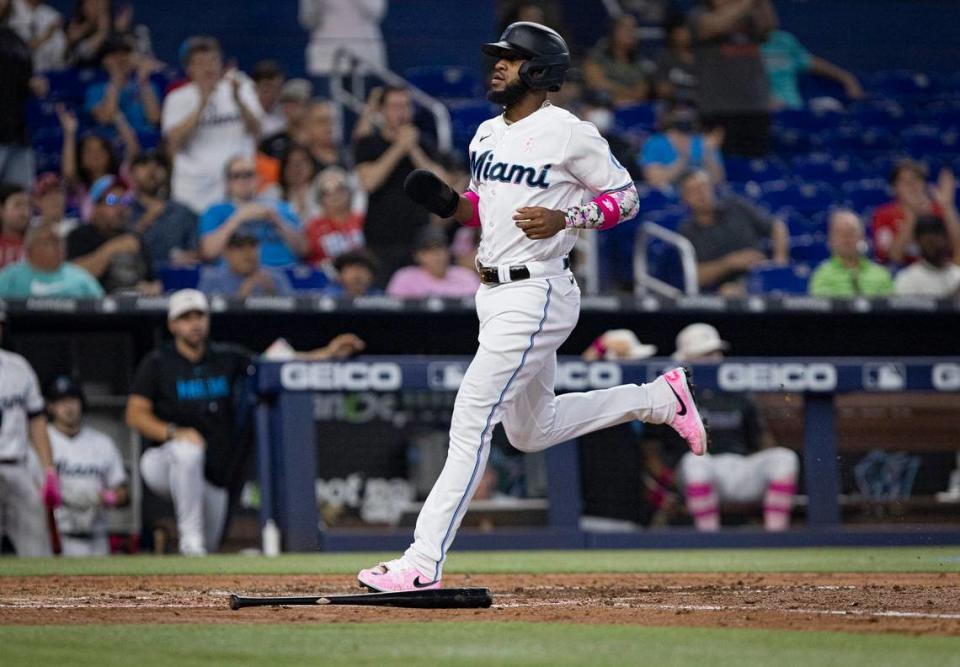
{"type": "Point", "coordinates": [448, 598]}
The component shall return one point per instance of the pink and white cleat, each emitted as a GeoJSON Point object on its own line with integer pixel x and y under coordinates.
{"type": "Point", "coordinates": [686, 420]}
{"type": "Point", "coordinates": [395, 576]}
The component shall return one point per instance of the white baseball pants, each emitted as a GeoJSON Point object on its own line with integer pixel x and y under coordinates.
{"type": "Point", "coordinates": [22, 516]}
{"type": "Point", "coordinates": [174, 471]}
{"type": "Point", "coordinates": [511, 379]}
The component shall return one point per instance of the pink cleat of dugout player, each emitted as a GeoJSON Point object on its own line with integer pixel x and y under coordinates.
{"type": "Point", "coordinates": [532, 167]}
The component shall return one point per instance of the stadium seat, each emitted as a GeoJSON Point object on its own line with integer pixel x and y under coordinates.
{"type": "Point", "coordinates": [865, 194]}
{"type": "Point", "coordinates": [465, 117]}
{"type": "Point", "coordinates": [797, 222]}
{"type": "Point", "coordinates": [809, 249]}
{"type": "Point", "coordinates": [655, 199]}
{"type": "Point", "coordinates": [778, 280]}
{"type": "Point", "coordinates": [636, 117]}
{"type": "Point", "coordinates": [178, 277]}
{"type": "Point", "coordinates": [805, 119]}
{"type": "Point", "coordinates": [902, 84]}
{"type": "Point", "coordinates": [825, 166]}
{"type": "Point", "coordinates": [741, 169]}
{"type": "Point", "coordinates": [807, 198]}
{"type": "Point", "coordinates": [446, 81]}
{"type": "Point", "coordinates": [306, 278]}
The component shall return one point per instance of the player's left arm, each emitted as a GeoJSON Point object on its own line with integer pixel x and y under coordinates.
{"type": "Point", "coordinates": [594, 166]}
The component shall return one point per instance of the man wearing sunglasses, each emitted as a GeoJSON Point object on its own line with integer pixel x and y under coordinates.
{"type": "Point", "coordinates": [272, 222]}
{"type": "Point", "coordinates": [105, 248]}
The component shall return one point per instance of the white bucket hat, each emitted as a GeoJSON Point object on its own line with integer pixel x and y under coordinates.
{"type": "Point", "coordinates": [697, 340]}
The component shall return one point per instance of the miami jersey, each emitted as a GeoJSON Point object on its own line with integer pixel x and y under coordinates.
{"type": "Point", "coordinates": [87, 464]}
{"type": "Point", "coordinates": [551, 159]}
{"type": "Point", "coordinates": [20, 400]}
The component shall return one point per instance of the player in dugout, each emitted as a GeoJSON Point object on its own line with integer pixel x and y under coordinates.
{"type": "Point", "coordinates": [92, 476]}
{"type": "Point", "coordinates": [187, 402]}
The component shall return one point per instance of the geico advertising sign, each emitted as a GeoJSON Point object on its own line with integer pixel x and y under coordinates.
{"type": "Point", "coordinates": [777, 377]}
{"type": "Point", "coordinates": [349, 376]}
{"type": "Point", "coordinates": [571, 375]}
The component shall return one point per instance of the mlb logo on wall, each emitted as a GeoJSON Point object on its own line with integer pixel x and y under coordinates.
{"type": "Point", "coordinates": [884, 377]}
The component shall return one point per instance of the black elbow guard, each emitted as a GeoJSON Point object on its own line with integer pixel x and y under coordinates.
{"type": "Point", "coordinates": [430, 192]}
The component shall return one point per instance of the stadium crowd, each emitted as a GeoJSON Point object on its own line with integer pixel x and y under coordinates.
{"type": "Point", "coordinates": [124, 174]}
{"type": "Point", "coordinates": [157, 174]}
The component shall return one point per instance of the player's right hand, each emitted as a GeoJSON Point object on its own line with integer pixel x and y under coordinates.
{"type": "Point", "coordinates": [51, 489]}
{"type": "Point", "coordinates": [426, 188]}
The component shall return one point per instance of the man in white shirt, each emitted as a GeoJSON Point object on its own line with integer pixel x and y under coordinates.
{"type": "Point", "coordinates": [353, 25]}
{"type": "Point", "coordinates": [41, 27]}
{"type": "Point", "coordinates": [92, 477]}
{"type": "Point", "coordinates": [206, 122]}
{"type": "Point", "coordinates": [934, 274]}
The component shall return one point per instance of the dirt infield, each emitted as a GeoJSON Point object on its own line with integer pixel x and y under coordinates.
{"type": "Point", "coordinates": [906, 603]}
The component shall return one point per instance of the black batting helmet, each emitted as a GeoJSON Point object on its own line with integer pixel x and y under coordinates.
{"type": "Point", "coordinates": [546, 54]}
{"type": "Point", "coordinates": [63, 386]}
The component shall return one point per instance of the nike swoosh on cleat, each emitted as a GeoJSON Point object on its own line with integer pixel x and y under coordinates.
{"type": "Point", "coordinates": [418, 584]}
{"type": "Point", "coordinates": [683, 406]}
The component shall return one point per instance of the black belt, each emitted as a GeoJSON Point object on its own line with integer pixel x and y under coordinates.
{"type": "Point", "coordinates": [11, 462]}
{"type": "Point", "coordinates": [490, 275]}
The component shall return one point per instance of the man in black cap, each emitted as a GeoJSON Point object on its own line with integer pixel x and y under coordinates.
{"type": "Point", "coordinates": [241, 275]}
{"type": "Point", "coordinates": [92, 476]}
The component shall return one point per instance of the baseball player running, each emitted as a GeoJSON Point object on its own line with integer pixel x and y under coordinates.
{"type": "Point", "coordinates": [22, 420]}
{"type": "Point", "coordinates": [91, 471]}
{"type": "Point", "coordinates": [538, 176]}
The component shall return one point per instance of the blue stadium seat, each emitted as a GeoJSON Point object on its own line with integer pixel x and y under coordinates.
{"type": "Point", "coordinates": [654, 199]}
{"type": "Point", "coordinates": [866, 194]}
{"type": "Point", "coordinates": [809, 249]}
{"type": "Point", "coordinates": [790, 141]}
{"type": "Point", "coordinates": [886, 114]}
{"type": "Point", "coordinates": [305, 278]}
{"type": "Point", "coordinates": [902, 84]}
{"type": "Point", "coordinates": [669, 217]}
{"type": "Point", "coordinates": [741, 169]}
{"type": "Point", "coordinates": [465, 117]}
{"type": "Point", "coordinates": [634, 117]}
{"type": "Point", "coordinates": [178, 277]}
{"type": "Point", "coordinates": [798, 223]}
{"type": "Point", "coordinates": [930, 140]}
{"type": "Point", "coordinates": [446, 81]}
{"type": "Point", "coordinates": [827, 167]}
{"type": "Point", "coordinates": [663, 262]}
{"type": "Point", "coordinates": [778, 280]}
{"type": "Point", "coordinates": [806, 119]}
{"type": "Point", "coordinates": [807, 198]}
{"type": "Point", "coordinates": [856, 140]}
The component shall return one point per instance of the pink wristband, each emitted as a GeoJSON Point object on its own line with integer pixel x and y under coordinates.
{"type": "Point", "coordinates": [475, 200]}
{"type": "Point", "coordinates": [610, 209]}
{"type": "Point", "coordinates": [109, 497]}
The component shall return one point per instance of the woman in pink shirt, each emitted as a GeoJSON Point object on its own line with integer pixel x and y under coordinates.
{"type": "Point", "coordinates": [433, 275]}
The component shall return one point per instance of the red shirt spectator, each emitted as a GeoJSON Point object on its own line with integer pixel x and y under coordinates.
{"type": "Point", "coordinates": [893, 223]}
{"type": "Point", "coordinates": [14, 219]}
{"type": "Point", "coordinates": [329, 238]}
{"type": "Point", "coordinates": [887, 220]}
{"type": "Point", "coordinates": [338, 229]}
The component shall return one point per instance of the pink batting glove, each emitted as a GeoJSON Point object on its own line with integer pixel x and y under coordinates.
{"type": "Point", "coordinates": [51, 490]}
{"type": "Point", "coordinates": [108, 497]}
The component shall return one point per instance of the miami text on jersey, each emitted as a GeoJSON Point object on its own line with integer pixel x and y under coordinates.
{"type": "Point", "coordinates": [485, 169]}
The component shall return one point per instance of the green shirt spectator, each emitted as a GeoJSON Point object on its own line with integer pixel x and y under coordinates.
{"type": "Point", "coordinates": [834, 278]}
{"type": "Point", "coordinates": [44, 273]}
{"type": "Point", "coordinates": [785, 58]}
{"type": "Point", "coordinates": [848, 273]}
